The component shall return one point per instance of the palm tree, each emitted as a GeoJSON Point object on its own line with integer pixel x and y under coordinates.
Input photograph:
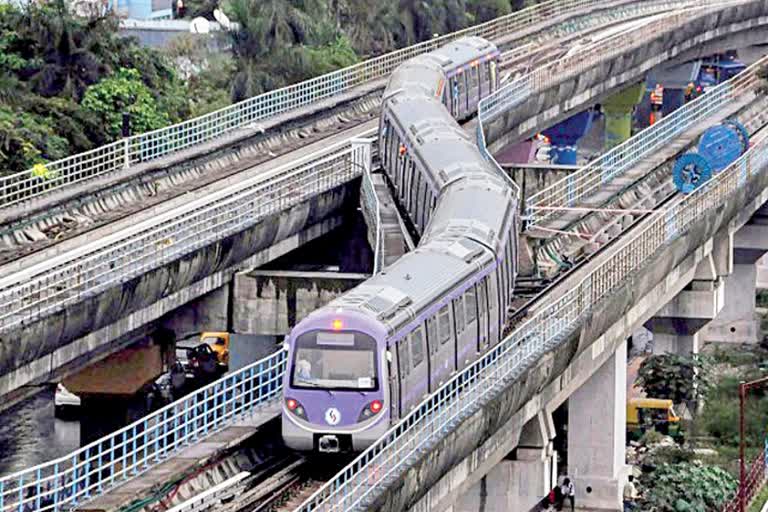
{"type": "Point", "coordinates": [68, 49]}
{"type": "Point", "coordinates": [268, 46]}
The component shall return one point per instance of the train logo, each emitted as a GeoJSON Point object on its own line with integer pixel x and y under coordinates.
{"type": "Point", "coordinates": [332, 416]}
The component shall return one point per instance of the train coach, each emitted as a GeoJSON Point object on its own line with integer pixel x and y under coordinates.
{"type": "Point", "coordinates": [364, 361]}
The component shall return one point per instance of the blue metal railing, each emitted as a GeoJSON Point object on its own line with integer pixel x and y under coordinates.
{"type": "Point", "coordinates": [74, 479]}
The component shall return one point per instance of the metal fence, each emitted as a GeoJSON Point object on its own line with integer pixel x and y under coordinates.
{"type": "Point", "coordinates": [45, 178]}
{"type": "Point", "coordinates": [33, 293]}
{"type": "Point", "coordinates": [755, 479]}
{"type": "Point", "coordinates": [360, 483]}
{"type": "Point", "coordinates": [74, 479]}
{"type": "Point", "coordinates": [589, 179]}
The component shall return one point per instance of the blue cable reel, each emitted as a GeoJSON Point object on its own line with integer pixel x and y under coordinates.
{"type": "Point", "coordinates": [691, 170]}
{"type": "Point", "coordinates": [743, 133]}
{"type": "Point", "coordinates": [720, 146]}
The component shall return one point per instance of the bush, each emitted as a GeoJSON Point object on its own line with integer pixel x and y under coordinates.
{"type": "Point", "coordinates": [124, 92]}
{"type": "Point", "coordinates": [686, 487]}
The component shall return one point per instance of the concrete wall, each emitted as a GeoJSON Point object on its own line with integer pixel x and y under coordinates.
{"type": "Point", "coordinates": [271, 302]}
{"type": "Point", "coordinates": [592, 85]}
{"type": "Point", "coordinates": [37, 350]}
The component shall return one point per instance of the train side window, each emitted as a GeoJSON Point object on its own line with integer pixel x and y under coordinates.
{"type": "Point", "coordinates": [444, 325]}
{"type": "Point", "coordinates": [458, 314]}
{"type": "Point", "coordinates": [417, 346]}
{"type": "Point", "coordinates": [470, 302]}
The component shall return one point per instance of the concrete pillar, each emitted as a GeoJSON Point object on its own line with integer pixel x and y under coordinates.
{"type": "Point", "coordinates": [676, 326]}
{"type": "Point", "coordinates": [618, 111]}
{"type": "Point", "coordinates": [211, 312]}
{"type": "Point", "coordinates": [521, 480]}
{"type": "Point", "coordinates": [597, 435]}
{"type": "Point", "coordinates": [738, 322]}
{"type": "Point", "coordinates": [762, 273]}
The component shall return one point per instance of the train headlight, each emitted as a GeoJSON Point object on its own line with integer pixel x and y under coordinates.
{"type": "Point", "coordinates": [296, 408]}
{"type": "Point", "coordinates": [371, 410]}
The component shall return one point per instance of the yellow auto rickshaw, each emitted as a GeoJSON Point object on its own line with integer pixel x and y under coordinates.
{"type": "Point", "coordinates": [644, 414]}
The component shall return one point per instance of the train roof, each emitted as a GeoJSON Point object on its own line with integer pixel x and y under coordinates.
{"type": "Point", "coordinates": [442, 149]}
{"type": "Point", "coordinates": [462, 52]}
{"type": "Point", "coordinates": [419, 278]}
{"type": "Point", "coordinates": [418, 74]}
{"type": "Point", "coordinates": [480, 206]}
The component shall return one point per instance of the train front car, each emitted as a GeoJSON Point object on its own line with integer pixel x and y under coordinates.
{"type": "Point", "coordinates": [335, 385]}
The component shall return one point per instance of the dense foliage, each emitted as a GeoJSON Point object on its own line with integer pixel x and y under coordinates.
{"type": "Point", "coordinates": [686, 487]}
{"type": "Point", "coordinates": [679, 378]}
{"type": "Point", "coordinates": [64, 80]}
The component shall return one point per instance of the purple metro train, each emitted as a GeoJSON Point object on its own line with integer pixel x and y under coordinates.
{"type": "Point", "coordinates": [364, 361]}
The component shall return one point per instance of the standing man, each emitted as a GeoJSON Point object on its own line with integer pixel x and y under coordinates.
{"type": "Point", "coordinates": [569, 493]}
{"type": "Point", "coordinates": [657, 102]}
{"type": "Point", "coordinates": [630, 494]}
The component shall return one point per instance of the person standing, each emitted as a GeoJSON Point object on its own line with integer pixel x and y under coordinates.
{"type": "Point", "coordinates": [630, 494]}
{"type": "Point", "coordinates": [569, 493]}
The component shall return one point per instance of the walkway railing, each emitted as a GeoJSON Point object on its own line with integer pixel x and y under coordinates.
{"type": "Point", "coordinates": [621, 158]}
{"type": "Point", "coordinates": [579, 185]}
{"type": "Point", "coordinates": [368, 475]}
{"type": "Point", "coordinates": [74, 479]}
{"type": "Point", "coordinates": [53, 176]}
{"type": "Point", "coordinates": [50, 286]}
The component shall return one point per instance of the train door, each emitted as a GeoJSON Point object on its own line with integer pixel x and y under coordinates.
{"type": "Point", "coordinates": [494, 318]}
{"type": "Point", "coordinates": [398, 374]}
{"type": "Point", "coordinates": [469, 350]}
{"type": "Point", "coordinates": [443, 356]}
{"type": "Point", "coordinates": [416, 179]}
{"type": "Point", "coordinates": [455, 96]}
{"type": "Point", "coordinates": [424, 200]}
{"type": "Point", "coordinates": [416, 385]}
{"type": "Point", "coordinates": [473, 78]}
{"type": "Point", "coordinates": [482, 317]}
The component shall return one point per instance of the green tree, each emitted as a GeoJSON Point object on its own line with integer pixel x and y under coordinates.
{"type": "Point", "coordinates": [124, 92]}
{"type": "Point", "coordinates": [280, 42]}
{"type": "Point", "coordinates": [678, 378]}
{"type": "Point", "coordinates": [686, 487]}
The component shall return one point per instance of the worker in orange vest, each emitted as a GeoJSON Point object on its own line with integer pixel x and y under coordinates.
{"type": "Point", "coordinates": [657, 102]}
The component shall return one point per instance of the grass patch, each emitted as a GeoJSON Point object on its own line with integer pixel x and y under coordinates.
{"type": "Point", "coordinates": [760, 499]}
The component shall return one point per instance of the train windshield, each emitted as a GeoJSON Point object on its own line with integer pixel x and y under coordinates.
{"type": "Point", "coordinates": [335, 360]}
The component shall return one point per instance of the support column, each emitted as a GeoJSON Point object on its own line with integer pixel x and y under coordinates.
{"type": "Point", "coordinates": [676, 326]}
{"type": "Point", "coordinates": [534, 463]}
{"type": "Point", "coordinates": [523, 478]}
{"type": "Point", "coordinates": [737, 322]}
{"type": "Point", "coordinates": [565, 137]}
{"type": "Point", "coordinates": [597, 435]}
{"type": "Point", "coordinates": [618, 111]}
